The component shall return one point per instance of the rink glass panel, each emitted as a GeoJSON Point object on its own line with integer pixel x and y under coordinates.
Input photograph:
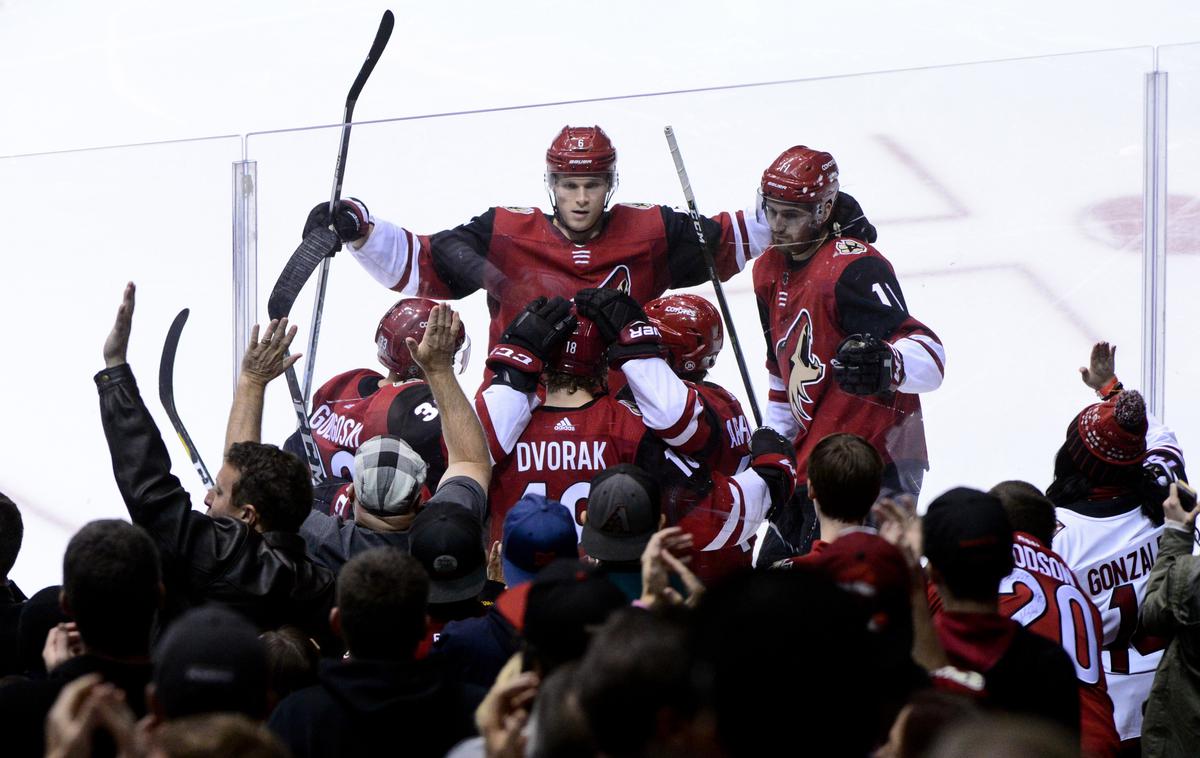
{"type": "Point", "coordinates": [1007, 197]}
{"type": "Point", "coordinates": [90, 221]}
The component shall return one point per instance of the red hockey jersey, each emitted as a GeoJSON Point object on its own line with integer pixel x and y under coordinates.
{"type": "Point", "coordinates": [1043, 595]}
{"type": "Point", "coordinates": [351, 408]}
{"type": "Point", "coordinates": [807, 308]}
{"type": "Point", "coordinates": [517, 254]}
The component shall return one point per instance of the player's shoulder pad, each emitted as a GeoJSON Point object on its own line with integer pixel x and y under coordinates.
{"type": "Point", "coordinates": [523, 210]}
{"type": "Point", "coordinates": [637, 206]}
{"type": "Point", "coordinates": [849, 246]}
{"type": "Point", "coordinates": [631, 404]}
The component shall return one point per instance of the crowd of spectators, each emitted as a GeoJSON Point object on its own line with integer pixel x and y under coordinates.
{"type": "Point", "coordinates": [263, 627]}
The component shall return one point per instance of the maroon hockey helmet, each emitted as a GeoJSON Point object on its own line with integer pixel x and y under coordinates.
{"type": "Point", "coordinates": [582, 150]}
{"type": "Point", "coordinates": [801, 175]}
{"type": "Point", "coordinates": [408, 318]}
{"type": "Point", "coordinates": [691, 331]}
{"type": "Point", "coordinates": [583, 352]}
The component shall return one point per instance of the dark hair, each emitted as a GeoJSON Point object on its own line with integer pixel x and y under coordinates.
{"type": "Point", "coordinates": [12, 529]}
{"type": "Point", "coordinates": [637, 666]}
{"type": "Point", "coordinates": [276, 483]}
{"type": "Point", "coordinates": [560, 381]}
{"type": "Point", "coordinates": [846, 473]}
{"type": "Point", "coordinates": [1071, 485]}
{"type": "Point", "coordinates": [217, 734]}
{"type": "Point", "coordinates": [381, 597]}
{"type": "Point", "coordinates": [292, 660]}
{"type": "Point", "coordinates": [111, 580]}
{"type": "Point", "coordinates": [1028, 509]}
{"type": "Point", "coordinates": [930, 713]}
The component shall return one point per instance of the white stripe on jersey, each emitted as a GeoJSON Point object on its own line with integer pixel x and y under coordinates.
{"type": "Point", "coordinates": [387, 255]}
{"type": "Point", "coordinates": [508, 412]}
{"type": "Point", "coordinates": [731, 521]}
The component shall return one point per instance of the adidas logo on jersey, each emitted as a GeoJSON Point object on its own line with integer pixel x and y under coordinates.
{"type": "Point", "coordinates": [564, 425]}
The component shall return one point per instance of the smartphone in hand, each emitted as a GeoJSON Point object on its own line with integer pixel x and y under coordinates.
{"type": "Point", "coordinates": [1187, 495]}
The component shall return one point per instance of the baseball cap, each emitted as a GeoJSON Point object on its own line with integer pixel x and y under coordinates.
{"type": "Point", "coordinates": [388, 475]}
{"type": "Point", "coordinates": [536, 531]}
{"type": "Point", "coordinates": [623, 512]}
{"type": "Point", "coordinates": [872, 570]}
{"type": "Point", "coordinates": [968, 529]}
{"type": "Point", "coordinates": [448, 541]}
{"type": "Point", "coordinates": [558, 610]}
{"type": "Point", "coordinates": [210, 660]}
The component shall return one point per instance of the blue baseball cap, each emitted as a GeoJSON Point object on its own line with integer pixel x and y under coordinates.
{"type": "Point", "coordinates": [537, 531]}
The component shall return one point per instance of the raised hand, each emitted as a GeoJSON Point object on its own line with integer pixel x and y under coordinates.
{"type": "Point", "coordinates": [266, 359]}
{"type": "Point", "coordinates": [1101, 369]}
{"type": "Point", "coordinates": [436, 349]}
{"type": "Point", "coordinates": [117, 344]}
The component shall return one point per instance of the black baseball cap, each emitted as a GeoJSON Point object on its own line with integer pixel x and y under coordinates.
{"type": "Point", "coordinates": [623, 512]}
{"type": "Point", "coordinates": [448, 541]}
{"type": "Point", "coordinates": [966, 529]}
{"type": "Point", "coordinates": [563, 604]}
{"type": "Point", "coordinates": [211, 660]}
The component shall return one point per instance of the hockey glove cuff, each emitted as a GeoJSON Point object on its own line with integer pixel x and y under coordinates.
{"type": "Point", "coordinates": [773, 458]}
{"type": "Point", "coordinates": [515, 366]}
{"type": "Point", "coordinates": [865, 365]}
{"type": "Point", "coordinates": [611, 310]}
{"type": "Point", "coordinates": [639, 339]}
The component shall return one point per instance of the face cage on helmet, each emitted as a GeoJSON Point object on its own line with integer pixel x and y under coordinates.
{"type": "Point", "coordinates": [613, 181]}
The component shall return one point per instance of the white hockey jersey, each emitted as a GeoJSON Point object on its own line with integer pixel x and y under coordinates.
{"type": "Point", "coordinates": [1111, 546]}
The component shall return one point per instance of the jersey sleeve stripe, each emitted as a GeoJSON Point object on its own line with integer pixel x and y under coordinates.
{"type": "Point", "coordinates": [411, 284]}
{"type": "Point", "coordinates": [934, 348]}
{"type": "Point", "coordinates": [731, 520]}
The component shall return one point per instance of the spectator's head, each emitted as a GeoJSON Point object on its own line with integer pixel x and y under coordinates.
{"type": "Point", "coordinates": [1028, 509]}
{"type": "Point", "coordinates": [749, 681]}
{"type": "Point", "coordinates": [581, 365]}
{"type": "Point", "coordinates": [558, 611]}
{"type": "Point", "coordinates": [388, 476]}
{"type": "Point", "coordinates": [210, 660]}
{"type": "Point", "coordinates": [560, 726]}
{"type": "Point", "coordinates": [41, 613]}
{"type": "Point", "coordinates": [537, 531]}
{"type": "Point", "coordinates": [112, 587]}
{"type": "Point", "coordinates": [447, 540]}
{"type": "Point", "coordinates": [927, 715]}
{"type": "Point", "coordinates": [226, 734]}
{"type": "Point", "coordinates": [381, 601]}
{"type": "Point", "coordinates": [968, 541]}
{"type": "Point", "coordinates": [292, 659]}
{"type": "Point", "coordinates": [12, 530]}
{"type": "Point", "coordinates": [1105, 446]}
{"type": "Point", "coordinates": [635, 685]}
{"type": "Point", "coordinates": [844, 476]}
{"type": "Point", "coordinates": [1005, 736]}
{"type": "Point", "coordinates": [263, 486]}
{"type": "Point", "coordinates": [624, 509]}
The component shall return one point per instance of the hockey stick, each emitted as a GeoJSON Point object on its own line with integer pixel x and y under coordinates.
{"type": "Point", "coordinates": [166, 393]}
{"type": "Point", "coordinates": [339, 170]}
{"type": "Point", "coordinates": [712, 270]}
{"type": "Point", "coordinates": [316, 249]}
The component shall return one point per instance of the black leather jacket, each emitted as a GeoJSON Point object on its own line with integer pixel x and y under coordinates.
{"type": "Point", "coordinates": [268, 577]}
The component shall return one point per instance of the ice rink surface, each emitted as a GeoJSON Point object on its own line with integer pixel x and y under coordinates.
{"type": "Point", "coordinates": [1007, 194]}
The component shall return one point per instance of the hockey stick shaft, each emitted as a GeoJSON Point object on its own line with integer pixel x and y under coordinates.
{"type": "Point", "coordinates": [382, 35]}
{"type": "Point", "coordinates": [316, 468]}
{"type": "Point", "coordinates": [166, 394]}
{"type": "Point", "coordinates": [712, 271]}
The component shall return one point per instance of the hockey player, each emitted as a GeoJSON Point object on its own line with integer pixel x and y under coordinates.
{"type": "Point", "coordinates": [665, 368]}
{"type": "Point", "coordinates": [1044, 595]}
{"type": "Point", "coordinates": [843, 353]}
{"type": "Point", "coordinates": [358, 405]}
{"type": "Point", "coordinates": [517, 254]}
{"type": "Point", "coordinates": [556, 447]}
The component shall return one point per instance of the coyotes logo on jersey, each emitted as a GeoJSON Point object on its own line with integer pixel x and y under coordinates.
{"type": "Point", "coordinates": [807, 370]}
{"type": "Point", "coordinates": [619, 279]}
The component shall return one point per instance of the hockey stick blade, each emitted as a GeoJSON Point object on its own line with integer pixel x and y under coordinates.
{"type": "Point", "coordinates": [166, 394]}
{"type": "Point", "coordinates": [316, 247]}
{"type": "Point", "coordinates": [381, 39]}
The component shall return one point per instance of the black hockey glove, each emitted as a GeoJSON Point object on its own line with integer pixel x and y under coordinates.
{"type": "Point", "coordinates": [865, 365]}
{"type": "Point", "coordinates": [351, 220]}
{"type": "Point", "coordinates": [536, 333]}
{"type": "Point", "coordinates": [850, 221]}
{"type": "Point", "coordinates": [773, 457]}
{"type": "Point", "coordinates": [622, 324]}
